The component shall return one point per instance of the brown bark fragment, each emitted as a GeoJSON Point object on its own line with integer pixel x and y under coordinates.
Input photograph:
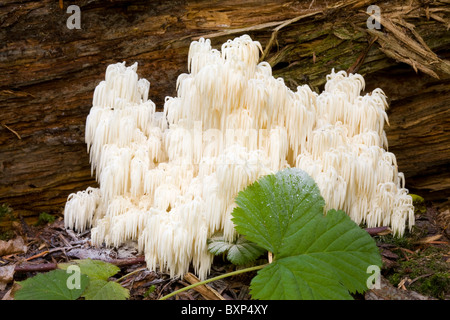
{"type": "Point", "coordinates": [48, 74]}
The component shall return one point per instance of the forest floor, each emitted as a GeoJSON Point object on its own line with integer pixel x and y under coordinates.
{"type": "Point", "coordinates": [415, 267]}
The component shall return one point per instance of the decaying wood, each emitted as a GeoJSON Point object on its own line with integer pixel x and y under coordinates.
{"type": "Point", "coordinates": [48, 74]}
{"type": "Point", "coordinates": [415, 52]}
{"type": "Point", "coordinates": [206, 291]}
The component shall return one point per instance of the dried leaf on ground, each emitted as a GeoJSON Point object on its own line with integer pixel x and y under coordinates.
{"type": "Point", "coordinates": [430, 239]}
{"type": "Point", "coordinates": [16, 245]}
{"type": "Point", "coordinates": [10, 294]}
{"type": "Point", "coordinates": [6, 276]}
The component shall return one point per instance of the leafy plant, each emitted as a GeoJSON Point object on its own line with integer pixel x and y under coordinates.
{"type": "Point", "coordinates": [315, 256]}
{"type": "Point", "coordinates": [50, 286]}
{"type": "Point", "coordinates": [239, 252]}
{"type": "Point", "coordinates": [94, 284]}
{"type": "Point", "coordinates": [99, 287]}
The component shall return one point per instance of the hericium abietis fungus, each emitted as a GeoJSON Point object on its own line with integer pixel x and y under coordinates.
{"type": "Point", "coordinates": [168, 179]}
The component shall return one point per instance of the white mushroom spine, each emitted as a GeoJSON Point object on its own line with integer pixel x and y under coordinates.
{"type": "Point", "coordinates": [168, 179]}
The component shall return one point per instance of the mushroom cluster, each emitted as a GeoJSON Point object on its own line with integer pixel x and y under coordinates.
{"type": "Point", "coordinates": [168, 179]}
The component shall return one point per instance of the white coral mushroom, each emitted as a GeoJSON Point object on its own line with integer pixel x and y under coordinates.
{"type": "Point", "coordinates": [168, 179]}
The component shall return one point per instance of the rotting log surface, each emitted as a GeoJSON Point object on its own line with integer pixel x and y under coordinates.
{"type": "Point", "coordinates": [48, 74]}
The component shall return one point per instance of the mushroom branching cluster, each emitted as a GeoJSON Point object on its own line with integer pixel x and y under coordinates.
{"type": "Point", "coordinates": [168, 179]}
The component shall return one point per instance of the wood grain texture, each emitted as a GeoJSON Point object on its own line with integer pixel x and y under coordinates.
{"type": "Point", "coordinates": [48, 74]}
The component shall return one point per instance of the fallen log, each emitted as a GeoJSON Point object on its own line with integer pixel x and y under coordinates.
{"type": "Point", "coordinates": [48, 73]}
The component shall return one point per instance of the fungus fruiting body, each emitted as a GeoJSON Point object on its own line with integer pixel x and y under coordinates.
{"type": "Point", "coordinates": [168, 179]}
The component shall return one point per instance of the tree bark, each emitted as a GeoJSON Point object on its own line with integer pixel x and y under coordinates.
{"type": "Point", "coordinates": [48, 74]}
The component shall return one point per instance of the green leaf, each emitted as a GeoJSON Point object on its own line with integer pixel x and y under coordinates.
{"type": "Point", "coordinates": [98, 272]}
{"type": "Point", "coordinates": [217, 244]}
{"type": "Point", "coordinates": [105, 290]}
{"type": "Point", "coordinates": [244, 251]}
{"type": "Point", "coordinates": [266, 208]}
{"type": "Point", "coordinates": [296, 278]}
{"type": "Point", "coordinates": [241, 251]}
{"type": "Point", "coordinates": [53, 285]}
{"type": "Point", "coordinates": [94, 269]}
{"type": "Point", "coordinates": [315, 256]}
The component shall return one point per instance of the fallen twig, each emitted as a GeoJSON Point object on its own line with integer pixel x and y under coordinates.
{"type": "Point", "coordinates": [420, 277]}
{"type": "Point", "coordinates": [41, 254]}
{"type": "Point", "coordinates": [404, 251]}
{"type": "Point", "coordinates": [41, 267]}
{"type": "Point", "coordinates": [129, 274]}
{"type": "Point", "coordinates": [239, 30]}
{"type": "Point", "coordinates": [378, 231]}
{"type": "Point", "coordinates": [282, 25]}
{"type": "Point", "coordinates": [192, 286]}
{"type": "Point", "coordinates": [359, 61]}
{"type": "Point", "coordinates": [206, 291]}
{"type": "Point", "coordinates": [429, 239]}
{"type": "Point", "coordinates": [13, 131]}
{"type": "Point", "coordinates": [29, 267]}
{"type": "Point", "coordinates": [126, 262]}
{"type": "Point", "coordinates": [165, 286]}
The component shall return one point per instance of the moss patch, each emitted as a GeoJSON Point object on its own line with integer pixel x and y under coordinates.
{"type": "Point", "coordinates": [6, 212]}
{"type": "Point", "coordinates": [45, 218]}
{"type": "Point", "coordinates": [6, 219]}
{"type": "Point", "coordinates": [426, 272]}
{"type": "Point", "coordinates": [419, 204]}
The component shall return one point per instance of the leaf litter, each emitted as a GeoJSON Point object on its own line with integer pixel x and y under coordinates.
{"type": "Point", "coordinates": [38, 249]}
